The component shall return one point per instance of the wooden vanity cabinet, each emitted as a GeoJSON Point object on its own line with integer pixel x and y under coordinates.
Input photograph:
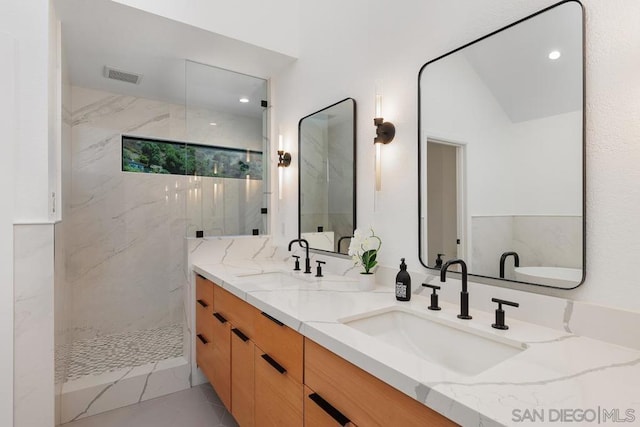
{"type": "Point", "coordinates": [279, 367]}
{"type": "Point", "coordinates": [242, 379]}
{"type": "Point", "coordinates": [320, 413]}
{"type": "Point", "coordinates": [221, 356]}
{"type": "Point", "coordinates": [267, 374]}
{"type": "Point", "coordinates": [361, 397]}
{"type": "Point", "coordinates": [278, 401]}
{"type": "Point", "coordinates": [204, 330]}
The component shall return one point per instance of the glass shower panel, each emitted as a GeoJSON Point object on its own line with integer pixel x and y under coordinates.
{"type": "Point", "coordinates": [226, 129]}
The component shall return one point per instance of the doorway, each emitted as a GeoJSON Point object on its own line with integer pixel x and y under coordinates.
{"type": "Point", "coordinates": [444, 200]}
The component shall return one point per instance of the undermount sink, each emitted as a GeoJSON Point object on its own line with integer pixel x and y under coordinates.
{"type": "Point", "coordinates": [274, 279]}
{"type": "Point", "coordinates": [292, 280]}
{"type": "Point", "coordinates": [435, 340]}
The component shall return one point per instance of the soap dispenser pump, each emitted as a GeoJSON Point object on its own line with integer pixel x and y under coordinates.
{"type": "Point", "coordinates": [403, 283]}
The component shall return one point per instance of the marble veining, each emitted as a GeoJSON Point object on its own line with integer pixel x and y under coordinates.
{"type": "Point", "coordinates": [86, 410]}
{"type": "Point", "coordinates": [558, 368]}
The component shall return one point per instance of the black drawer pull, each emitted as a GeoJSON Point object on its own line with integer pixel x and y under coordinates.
{"type": "Point", "coordinates": [278, 367]}
{"type": "Point", "coordinates": [273, 319]}
{"type": "Point", "coordinates": [202, 303]}
{"type": "Point", "coordinates": [202, 338]}
{"type": "Point", "coordinates": [240, 335]}
{"type": "Point", "coordinates": [220, 317]}
{"type": "Point", "coordinates": [329, 409]}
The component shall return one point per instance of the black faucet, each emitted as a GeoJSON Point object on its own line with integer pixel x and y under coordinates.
{"type": "Point", "coordinates": [503, 257]}
{"type": "Point", "coordinates": [307, 261]}
{"type": "Point", "coordinates": [464, 295]}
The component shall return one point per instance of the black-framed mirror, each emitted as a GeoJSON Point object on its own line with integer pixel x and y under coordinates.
{"type": "Point", "coordinates": [327, 177]}
{"type": "Point", "coordinates": [501, 152]}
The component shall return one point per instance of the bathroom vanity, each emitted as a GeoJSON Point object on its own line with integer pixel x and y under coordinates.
{"type": "Point", "coordinates": [264, 370]}
{"type": "Point", "coordinates": [329, 339]}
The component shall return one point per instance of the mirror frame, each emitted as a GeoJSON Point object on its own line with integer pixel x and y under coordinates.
{"type": "Point", "coordinates": [491, 279]}
{"type": "Point", "coordinates": [355, 170]}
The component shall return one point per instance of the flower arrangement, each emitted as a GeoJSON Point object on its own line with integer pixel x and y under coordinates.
{"type": "Point", "coordinates": [364, 249]}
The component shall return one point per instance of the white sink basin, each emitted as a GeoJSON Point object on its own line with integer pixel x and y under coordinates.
{"type": "Point", "coordinates": [274, 279]}
{"type": "Point", "coordinates": [292, 280]}
{"type": "Point", "coordinates": [436, 340]}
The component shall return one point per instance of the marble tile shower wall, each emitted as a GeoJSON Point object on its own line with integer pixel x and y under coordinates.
{"type": "Point", "coordinates": [118, 219]}
{"type": "Point", "coordinates": [125, 231]}
{"type": "Point", "coordinates": [554, 241]}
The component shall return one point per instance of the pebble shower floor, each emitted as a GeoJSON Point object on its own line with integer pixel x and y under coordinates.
{"type": "Point", "coordinates": [116, 351]}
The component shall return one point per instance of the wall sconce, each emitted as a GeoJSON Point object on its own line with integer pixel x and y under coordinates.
{"type": "Point", "coordinates": [284, 159]}
{"type": "Point", "coordinates": [385, 131]}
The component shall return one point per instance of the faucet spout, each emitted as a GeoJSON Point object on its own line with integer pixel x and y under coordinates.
{"type": "Point", "coordinates": [307, 261]}
{"type": "Point", "coordinates": [503, 258]}
{"type": "Point", "coordinates": [464, 294]}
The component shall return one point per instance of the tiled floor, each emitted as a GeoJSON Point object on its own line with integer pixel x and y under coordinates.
{"type": "Point", "coordinates": [196, 407]}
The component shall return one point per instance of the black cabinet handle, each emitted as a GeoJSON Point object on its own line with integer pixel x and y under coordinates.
{"type": "Point", "coordinates": [202, 338]}
{"type": "Point", "coordinates": [273, 319]}
{"type": "Point", "coordinates": [202, 303]}
{"type": "Point", "coordinates": [220, 317]}
{"type": "Point", "coordinates": [329, 409]}
{"type": "Point", "coordinates": [278, 367]}
{"type": "Point", "coordinates": [240, 335]}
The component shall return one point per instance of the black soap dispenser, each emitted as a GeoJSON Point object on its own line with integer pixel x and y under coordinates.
{"type": "Point", "coordinates": [403, 283]}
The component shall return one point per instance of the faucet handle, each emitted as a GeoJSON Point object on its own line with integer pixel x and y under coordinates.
{"type": "Point", "coordinates": [434, 296]}
{"type": "Point", "coordinates": [297, 267]}
{"type": "Point", "coordinates": [500, 313]}
{"type": "Point", "coordinates": [319, 268]}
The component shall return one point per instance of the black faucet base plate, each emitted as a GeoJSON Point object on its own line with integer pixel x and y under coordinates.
{"type": "Point", "coordinates": [464, 316]}
{"type": "Point", "coordinates": [434, 308]}
{"type": "Point", "coordinates": [496, 326]}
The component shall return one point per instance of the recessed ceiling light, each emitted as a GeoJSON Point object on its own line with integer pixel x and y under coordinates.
{"type": "Point", "coordinates": [244, 100]}
{"type": "Point", "coordinates": [554, 54]}
{"type": "Point", "coordinates": [213, 124]}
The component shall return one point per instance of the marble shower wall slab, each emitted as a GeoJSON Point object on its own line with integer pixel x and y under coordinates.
{"type": "Point", "coordinates": [124, 237]}
{"type": "Point", "coordinates": [125, 245]}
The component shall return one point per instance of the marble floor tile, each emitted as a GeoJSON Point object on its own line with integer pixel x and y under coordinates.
{"type": "Point", "coordinates": [196, 407]}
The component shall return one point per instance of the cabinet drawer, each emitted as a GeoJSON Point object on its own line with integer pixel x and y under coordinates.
{"type": "Point", "coordinates": [282, 343]}
{"type": "Point", "coordinates": [366, 399]}
{"type": "Point", "coordinates": [278, 400]}
{"type": "Point", "coordinates": [320, 413]}
{"type": "Point", "coordinates": [203, 355]}
{"type": "Point", "coordinates": [204, 292]}
{"type": "Point", "coordinates": [242, 379]}
{"type": "Point", "coordinates": [240, 313]}
{"type": "Point", "coordinates": [221, 360]}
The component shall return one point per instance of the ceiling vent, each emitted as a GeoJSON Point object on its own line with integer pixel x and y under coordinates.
{"type": "Point", "coordinates": [123, 76]}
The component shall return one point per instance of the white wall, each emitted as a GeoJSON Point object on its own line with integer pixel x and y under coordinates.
{"type": "Point", "coordinates": [272, 25]}
{"type": "Point", "coordinates": [346, 61]}
{"type": "Point", "coordinates": [28, 23]}
{"type": "Point", "coordinates": [7, 128]}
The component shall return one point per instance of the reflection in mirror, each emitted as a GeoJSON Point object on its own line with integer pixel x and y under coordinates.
{"type": "Point", "coordinates": [227, 189]}
{"type": "Point", "coordinates": [327, 192]}
{"type": "Point", "coordinates": [501, 152]}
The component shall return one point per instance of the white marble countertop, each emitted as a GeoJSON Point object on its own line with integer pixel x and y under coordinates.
{"type": "Point", "coordinates": [559, 378]}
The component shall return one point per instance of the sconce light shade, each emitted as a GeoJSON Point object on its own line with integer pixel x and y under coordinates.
{"type": "Point", "coordinates": [284, 159]}
{"type": "Point", "coordinates": [385, 131]}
